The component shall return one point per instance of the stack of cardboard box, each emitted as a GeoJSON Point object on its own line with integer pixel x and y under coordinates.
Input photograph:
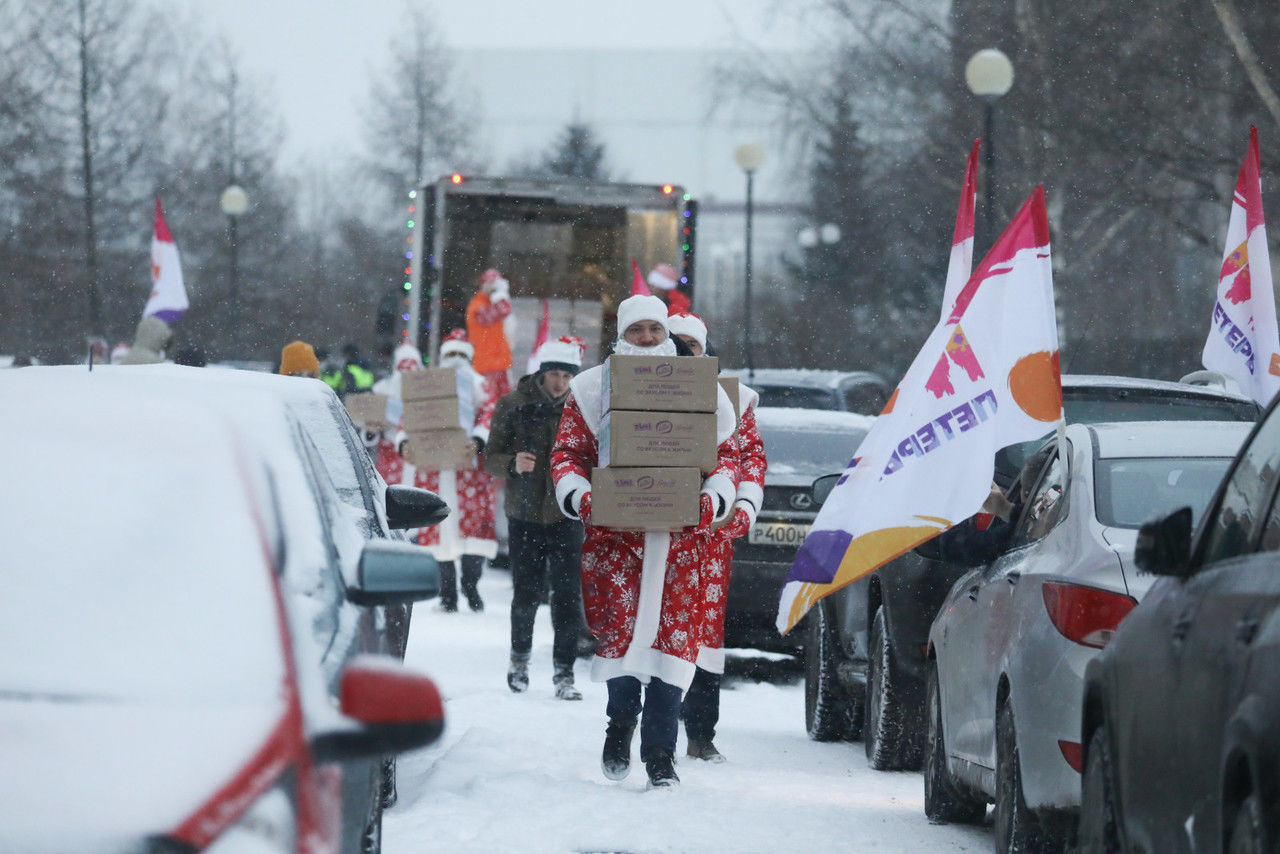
{"type": "Point", "coordinates": [657, 439]}
{"type": "Point", "coordinates": [435, 438]}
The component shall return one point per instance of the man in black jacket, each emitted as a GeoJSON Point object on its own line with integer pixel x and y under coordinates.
{"type": "Point", "coordinates": [540, 538]}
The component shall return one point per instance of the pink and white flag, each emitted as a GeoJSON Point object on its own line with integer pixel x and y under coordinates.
{"type": "Point", "coordinates": [1243, 342]}
{"type": "Point", "coordinates": [961, 264]}
{"type": "Point", "coordinates": [168, 299]}
{"type": "Point", "coordinates": [544, 331]}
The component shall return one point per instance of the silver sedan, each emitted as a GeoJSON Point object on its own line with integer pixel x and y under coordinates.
{"type": "Point", "coordinates": [1009, 647]}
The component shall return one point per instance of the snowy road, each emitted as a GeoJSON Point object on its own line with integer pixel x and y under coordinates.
{"type": "Point", "coordinates": [521, 773]}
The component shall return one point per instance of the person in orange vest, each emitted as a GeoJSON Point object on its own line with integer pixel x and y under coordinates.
{"type": "Point", "coordinates": [665, 281]}
{"type": "Point", "coordinates": [487, 316]}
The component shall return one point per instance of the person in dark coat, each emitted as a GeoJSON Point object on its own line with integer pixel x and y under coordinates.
{"type": "Point", "coordinates": [541, 539]}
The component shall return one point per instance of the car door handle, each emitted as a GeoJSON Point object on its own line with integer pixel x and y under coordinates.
{"type": "Point", "coordinates": [1013, 577]}
{"type": "Point", "coordinates": [973, 592]}
{"type": "Point", "coordinates": [1246, 628]}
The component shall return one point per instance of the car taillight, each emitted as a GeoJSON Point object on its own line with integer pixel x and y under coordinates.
{"type": "Point", "coordinates": [1073, 754]}
{"type": "Point", "coordinates": [1085, 615]}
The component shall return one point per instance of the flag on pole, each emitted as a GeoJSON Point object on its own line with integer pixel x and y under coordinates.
{"type": "Point", "coordinates": [168, 299]}
{"type": "Point", "coordinates": [638, 286]}
{"type": "Point", "coordinates": [987, 377]}
{"type": "Point", "coordinates": [961, 264]}
{"type": "Point", "coordinates": [544, 330]}
{"type": "Point", "coordinates": [1243, 342]}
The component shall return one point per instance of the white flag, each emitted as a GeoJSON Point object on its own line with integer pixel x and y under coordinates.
{"type": "Point", "coordinates": [168, 295]}
{"type": "Point", "coordinates": [987, 377]}
{"type": "Point", "coordinates": [1243, 342]}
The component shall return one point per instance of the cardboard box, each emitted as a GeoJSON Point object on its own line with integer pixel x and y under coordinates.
{"type": "Point", "coordinates": [439, 449]}
{"type": "Point", "coordinates": [428, 384]}
{"type": "Point", "coordinates": [630, 438]}
{"type": "Point", "coordinates": [645, 499]}
{"type": "Point", "coordinates": [660, 383]}
{"type": "Point", "coordinates": [368, 410]}
{"type": "Point", "coordinates": [730, 386]}
{"type": "Point", "coordinates": [439, 413]}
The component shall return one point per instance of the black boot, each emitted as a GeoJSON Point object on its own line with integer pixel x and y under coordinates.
{"type": "Point", "coordinates": [448, 586]}
{"type": "Point", "coordinates": [472, 565]}
{"type": "Point", "coordinates": [616, 759]}
{"type": "Point", "coordinates": [563, 680]}
{"type": "Point", "coordinates": [662, 772]}
{"type": "Point", "coordinates": [518, 672]}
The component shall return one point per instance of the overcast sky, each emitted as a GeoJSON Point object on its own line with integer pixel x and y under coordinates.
{"type": "Point", "coordinates": [316, 54]}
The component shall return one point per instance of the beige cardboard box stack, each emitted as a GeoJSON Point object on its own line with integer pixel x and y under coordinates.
{"type": "Point", "coordinates": [657, 437]}
{"type": "Point", "coordinates": [433, 437]}
{"type": "Point", "coordinates": [369, 410]}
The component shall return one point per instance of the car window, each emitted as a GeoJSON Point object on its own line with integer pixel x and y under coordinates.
{"type": "Point", "coordinates": [1234, 521]}
{"type": "Point", "coordinates": [796, 449]}
{"type": "Point", "coordinates": [1046, 506]}
{"type": "Point", "coordinates": [1129, 492]}
{"type": "Point", "coordinates": [864, 398]}
{"type": "Point", "coordinates": [796, 397]}
{"type": "Point", "coordinates": [341, 451]}
{"type": "Point", "coordinates": [1111, 405]}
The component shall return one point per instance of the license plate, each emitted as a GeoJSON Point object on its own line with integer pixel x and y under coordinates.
{"type": "Point", "coordinates": [777, 533]}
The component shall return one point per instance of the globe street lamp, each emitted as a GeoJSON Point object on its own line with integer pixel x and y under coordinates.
{"type": "Point", "coordinates": [989, 75]}
{"type": "Point", "coordinates": [234, 202]}
{"type": "Point", "coordinates": [749, 156]}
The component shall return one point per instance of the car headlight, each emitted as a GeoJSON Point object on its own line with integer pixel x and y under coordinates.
{"type": "Point", "coordinates": [269, 826]}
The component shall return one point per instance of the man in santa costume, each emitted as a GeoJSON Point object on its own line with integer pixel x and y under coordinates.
{"type": "Point", "coordinates": [488, 316]}
{"type": "Point", "coordinates": [665, 281]}
{"type": "Point", "coordinates": [642, 590]}
{"type": "Point", "coordinates": [701, 711]}
{"type": "Point", "coordinates": [467, 534]}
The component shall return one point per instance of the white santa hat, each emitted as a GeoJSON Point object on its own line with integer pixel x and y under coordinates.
{"type": "Point", "coordinates": [635, 309]}
{"type": "Point", "coordinates": [690, 325]}
{"type": "Point", "coordinates": [406, 358]}
{"type": "Point", "coordinates": [560, 355]}
{"type": "Point", "coordinates": [456, 344]}
{"type": "Point", "coordinates": [663, 276]}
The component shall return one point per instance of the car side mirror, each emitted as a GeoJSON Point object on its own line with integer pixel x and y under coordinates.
{"type": "Point", "coordinates": [822, 488]}
{"type": "Point", "coordinates": [391, 573]}
{"type": "Point", "coordinates": [410, 507]}
{"type": "Point", "coordinates": [391, 709]}
{"type": "Point", "coordinates": [1163, 546]}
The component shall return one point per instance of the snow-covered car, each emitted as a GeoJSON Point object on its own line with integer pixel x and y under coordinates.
{"type": "Point", "coordinates": [800, 445]}
{"type": "Point", "coordinates": [191, 673]}
{"type": "Point", "coordinates": [864, 644]}
{"type": "Point", "coordinates": [862, 392]}
{"type": "Point", "coordinates": [1008, 649]}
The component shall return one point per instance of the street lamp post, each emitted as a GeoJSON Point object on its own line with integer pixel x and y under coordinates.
{"type": "Point", "coordinates": [989, 75]}
{"type": "Point", "coordinates": [749, 156]}
{"type": "Point", "coordinates": [234, 202]}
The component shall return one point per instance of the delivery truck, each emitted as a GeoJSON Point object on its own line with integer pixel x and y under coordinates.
{"type": "Point", "coordinates": [567, 242]}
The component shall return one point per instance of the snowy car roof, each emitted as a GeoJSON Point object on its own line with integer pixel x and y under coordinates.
{"type": "Point", "coordinates": [809, 378]}
{"type": "Point", "coordinates": [812, 420]}
{"type": "Point", "coordinates": [1168, 438]}
{"type": "Point", "coordinates": [1083, 381]}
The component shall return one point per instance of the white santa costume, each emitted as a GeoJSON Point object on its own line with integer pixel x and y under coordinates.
{"type": "Point", "coordinates": [642, 590]}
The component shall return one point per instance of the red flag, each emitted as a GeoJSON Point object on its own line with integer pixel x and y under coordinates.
{"type": "Point", "coordinates": [638, 287]}
{"type": "Point", "coordinates": [960, 267]}
{"type": "Point", "coordinates": [544, 330]}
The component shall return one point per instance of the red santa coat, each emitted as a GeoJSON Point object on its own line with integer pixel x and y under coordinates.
{"type": "Point", "coordinates": [719, 563]}
{"type": "Point", "coordinates": [642, 590]}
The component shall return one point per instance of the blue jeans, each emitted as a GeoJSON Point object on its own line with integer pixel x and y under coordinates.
{"type": "Point", "coordinates": [701, 711]}
{"type": "Point", "coordinates": [659, 722]}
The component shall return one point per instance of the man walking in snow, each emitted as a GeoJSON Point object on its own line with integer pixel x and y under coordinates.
{"type": "Point", "coordinates": [701, 710]}
{"type": "Point", "coordinates": [541, 539]}
{"type": "Point", "coordinates": [641, 589]}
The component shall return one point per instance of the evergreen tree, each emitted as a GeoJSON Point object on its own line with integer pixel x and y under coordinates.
{"type": "Point", "coordinates": [576, 153]}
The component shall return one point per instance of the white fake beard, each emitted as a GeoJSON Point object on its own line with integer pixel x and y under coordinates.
{"type": "Point", "coordinates": [454, 361]}
{"type": "Point", "coordinates": [622, 347]}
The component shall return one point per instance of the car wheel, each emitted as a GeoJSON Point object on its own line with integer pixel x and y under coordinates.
{"type": "Point", "coordinates": [1099, 831]}
{"type": "Point", "coordinates": [944, 801]}
{"type": "Point", "coordinates": [1016, 827]}
{"type": "Point", "coordinates": [1247, 833]}
{"type": "Point", "coordinates": [828, 714]}
{"type": "Point", "coordinates": [890, 730]}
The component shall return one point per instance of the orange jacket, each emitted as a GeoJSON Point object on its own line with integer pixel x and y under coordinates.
{"type": "Point", "coordinates": [484, 329]}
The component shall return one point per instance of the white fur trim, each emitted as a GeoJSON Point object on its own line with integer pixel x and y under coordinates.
{"type": "Point", "coordinates": [747, 397]}
{"type": "Point", "coordinates": [690, 325]}
{"type": "Point", "coordinates": [711, 659]}
{"type": "Point", "coordinates": [481, 432]}
{"type": "Point", "coordinates": [587, 389]}
{"type": "Point", "coordinates": [651, 664]}
{"type": "Point", "coordinates": [572, 484]}
{"type": "Point", "coordinates": [720, 488]}
{"type": "Point", "coordinates": [751, 491]}
{"type": "Point", "coordinates": [637, 308]}
{"type": "Point", "coordinates": [477, 546]}
{"type": "Point", "coordinates": [726, 421]}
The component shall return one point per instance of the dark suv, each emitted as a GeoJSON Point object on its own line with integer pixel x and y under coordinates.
{"type": "Point", "coordinates": [865, 644]}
